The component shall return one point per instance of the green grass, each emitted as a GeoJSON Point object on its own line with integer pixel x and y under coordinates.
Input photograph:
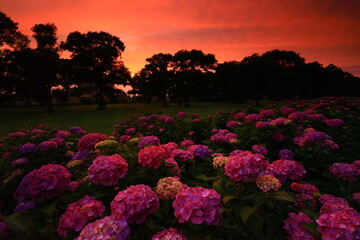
{"type": "Point", "coordinates": [93, 120]}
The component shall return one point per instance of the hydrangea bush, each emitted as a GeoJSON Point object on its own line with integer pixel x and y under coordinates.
{"type": "Point", "coordinates": [289, 170]}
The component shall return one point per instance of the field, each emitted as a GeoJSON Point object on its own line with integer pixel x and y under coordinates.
{"type": "Point", "coordinates": [285, 170]}
{"type": "Point", "coordinates": [93, 120]}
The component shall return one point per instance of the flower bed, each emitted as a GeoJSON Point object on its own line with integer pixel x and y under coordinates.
{"type": "Point", "coordinates": [288, 171]}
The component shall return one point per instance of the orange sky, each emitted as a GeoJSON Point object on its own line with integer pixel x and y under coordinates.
{"type": "Point", "coordinates": [327, 31]}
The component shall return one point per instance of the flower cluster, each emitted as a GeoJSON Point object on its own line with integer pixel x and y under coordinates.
{"type": "Point", "coordinates": [267, 113]}
{"type": "Point", "coordinates": [62, 134]}
{"type": "Point", "coordinates": [306, 193]}
{"type": "Point", "coordinates": [295, 229]}
{"type": "Point", "coordinates": [345, 171]}
{"type": "Point", "coordinates": [259, 149]}
{"type": "Point", "coordinates": [297, 116]}
{"type": "Point", "coordinates": [151, 156]}
{"type": "Point", "coordinates": [200, 151]}
{"type": "Point", "coordinates": [135, 203]}
{"type": "Point", "coordinates": [240, 116]}
{"type": "Point", "coordinates": [148, 141]}
{"type": "Point", "coordinates": [107, 228]}
{"type": "Point", "coordinates": [47, 145]}
{"type": "Point", "coordinates": [19, 162]}
{"type": "Point", "coordinates": [219, 161]}
{"type": "Point", "coordinates": [173, 166]}
{"type": "Point", "coordinates": [245, 166]}
{"type": "Point", "coordinates": [87, 142]}
{"type": "Point", "coordinates": [80, 213]}
{"type": "Point", "coordinates": [187, 143]}
{"type": "Point", "coordinates": [106, 144]}
{"type": "Point", "coordinates": [284, 169]}
{"type": "Point", "coordinates": [198, 205]}
{"type": "Point", "coordinates": [252, 118]}
{"type": "Point", "coordinates": [169, 234]}
{"type": "Point", "coordinates": [262, 125]}
{"type": "Point", "coordinates": [286, 154]}
{"type": "Point", "coordinates": [23, 206]}
{"type": "Point", "coordinates": [334, 122]}
{"type": "Point", "coordinates": [27, 147]}
{"type": "Point", "coordinates": [168, 187]}
{"type": "Point", "coordinates": [232, 124]}
{"type": "Point", "coordinates": [46, 182]}
{"type": "Point", "coordinates": [181, 155]}
{"type": "Point", "coordinates": [311, 136]}
{"type": "Point", "coordinates": [107, 170]}
{"type": "Point", "coordinates": [268, 182]}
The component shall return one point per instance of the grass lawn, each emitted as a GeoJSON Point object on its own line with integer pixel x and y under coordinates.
{"type": "Point", "coordinates": [93, 120]}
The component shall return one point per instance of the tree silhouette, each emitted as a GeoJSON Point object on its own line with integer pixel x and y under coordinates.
{"type": "Point", "coordinates": [96, 58]}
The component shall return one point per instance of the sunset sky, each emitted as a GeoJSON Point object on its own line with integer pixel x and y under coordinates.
{"type": "Point", "coordinates": [327, 31]}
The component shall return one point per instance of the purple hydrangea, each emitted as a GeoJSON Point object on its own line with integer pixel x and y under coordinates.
{"type": "Point", "coordinates": [245, 166]}
{"type": "Point", "coordinates": [135, 203]}
{"type": "Point", "coordinates": [294, 226]}
{"type": "Point", "coordinates": [28, 147]}
{"type": "Point", "coordinates": [198, 205]}
{"type": "Point", "coordinates": [80, 155]}
{"type": "Point", "coordinates": [107, 170]}
{"type": "Point", "coordinates": [200, 151]}
{"type": "Point", "coordinates": [46, 182]}
{"type": "Point", "coordinates": [77, 130]}
{"type": "Point", "coordinates": [345, 171]}
{"type": "Point", "coordinates": [106, 228]}
{"type": "Point", "coordinates": [259, 149]}
{"type": "Point", "coordinates": [286, 154]}
{"type": "Point", "coordinates": [19, 162]}
{"type": "Point", "coordinates": [47, 145]}
{"type": "Point", "coordinates": [23, 206]}
{"type": "Point", "coordinates": [79, 213]}
{"type": "Point", "coordinates": [148, 141]}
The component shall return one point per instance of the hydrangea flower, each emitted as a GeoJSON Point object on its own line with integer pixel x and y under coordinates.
{"type": "Point", "coordinates": [182, 114]}
{"type": "Point", "coordinates": [259, 149]}
{"type": "Point", "coordinates": [17, 134]}
{"type": "Point", "coordinates": [23, 206]}
{"type": "Point", "coordinates": [334, 122]}
{"type": "Point", "coordinates": [169, 147]}
{"type": "Point", "coordinates": [297, 116]}
{"type": "Point", "coordinates": [151, 156]}
{"type": "Point", "coordinates": [252, 118]}
{"type": "Point", "coordinates": [356, 197]}
{"type": "Point", "coordinates": [284, 169]}
{"type": "Point", "coordinates": [280, 122]}
{"type": "Point", "coordinates": [287, 110]}
{"type": "Point", "coordinates": [46, 182]}
{"type": "Point", "coordinates": [236, 152]}
{"type": "Point", "coordinates": [148, 141]}
{"type": "Point", "coordinates": [267, 113]}
{"type": "Point", "coordinates": [286, 154]}
{"type": "Point", "coordinates": [62, 134]}
{"type": "Point", "coordinates": [130, 130]}
{"type": "Point", "coordinates": [107, 170]}
{"type": "Point", "coordinates": [77, 130]}
{"type": "Point", "coordinates": [80, 155]}
{"type": "Point", "coordinates": [200, 151]}
{"type": "Point", "coordinates": [262, 125]}
{"type": "Point", "coordinates": [106, 144]}
{"type": "Point", "coordinates": [198, 205]}
{"type": "Point", "coordinates": [345, 171]}
{"type": "Point", "coordinates": [268, 182]}
{"type": "Point", "coordinates": [173, 165]}
{"type": "Point", "coordinates": [187, 143]}
{"type": "Point", "coordinates": [315, 117]}
{"type": "Point", "coordinates": [47, 145]}
{"type": "Point", "coordinates": [37, 132]}
{"type": "Point", "coordinates": [19, 162]}
{"type": "Point", "coordinates": [240, 116]}
{"type": "Point", "coordinates": [27, 147]}
{"type": "Point", "coordinates": [87, 142]}
{"type": "Point", "coordinates": [245, 166]}
{"type": "Point", "coordinates": [169, 234]}
{"type": "Point", "coordinates": [306, 193]}
{"type": "Point", "coordinates": [107, 228]}
{"type": "Point", "coordinates": [232, 124]}
{"type": "Point", "coordinates": [295, 229]}
{"type": "Point", "coordinates": [181, 155]}
{"type": "Point", "coordinates": [168, 187]}
{"type": "Point", "coordinates": [124, 138]}
{"type": "Point", "coordinates": [135, 203]}
{"type": "Point", "coordinates": [79, 213]}
{"type": "Point", "coordinates": [219, 161]}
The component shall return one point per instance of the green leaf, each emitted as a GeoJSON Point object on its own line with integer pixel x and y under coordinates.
{"type": "Point", "coordinates": [47, 208]}
{"type": "Point", "coordinates": [228, 198]}
{"type": "Point", "coordinates": [282, 196]}
{"type": "Point", "coordinates": [312, 228]}
{"type": "Point", "coordinates": [246, 212]}
{"type": "Point", "coordinates": [18, 222]}
{"type": "Point", "coordinates": [202, 177]}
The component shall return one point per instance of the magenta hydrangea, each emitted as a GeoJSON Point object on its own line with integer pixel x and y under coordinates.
{"type": "Point", "coordinates": [260, 149]}
{"type": "Point", "coordinates": [187, 143]}
{"type": "Point", "coordinates": [151, 156]}
{"type": "Point", "coordinates": [262, 125]}
{"type": "Point", "coordinates": [17, 134]}
{"type": "Point", "coordinates": [198, 205]}
{"type": "Point", "coordinates": [334, 122]}
{"type": "Point", "coordinates": [135, 203]}
{"type": "Point", "coordinates": [148, 141]}
{"type": "Point", "coordinates": [240, 116]}
{"type": "Point", "coordinates": [200, 151]}
{"type": "Point", "coordinates": [294, 226]}
{"type": "Point", "coordinates": [46, 182]}
{"type": "Point", "coordinates": [280, 122]}
{"type": "Point", "coordinates": [107, 228]}
{"type": "Point", "coordinates": [79, 213]}
{"type": "Point", "coordinates": [236, 152]}
{"type": "Point", "coordinates": [169, 234]}
{"type": "Point", "coordinates": [169, 147]}
{"type": "Point", "coordinates": [297, 116]}
{"type": "Point", "coordinates": [315, 117]}
{"type": "Point", "coordinates": [284, 169]}
{"type": "Point", "coordinates": [19, 162]}
{"type": "Point", "coordinates": [181, 155]}
{"type": "Point", "coordinates": [267, 113]}
{"type": "Point", "coordinates": [62, 134]}
{"type": "Point", "coordinates": [27, 147]}
{"type": "Point", "coordinates": [232, 124]}
{"type": "Point", "coordinates": [87, 142]}
{"type": "Point", "coordinates": [306, 193]}
{"type": "Point", "coordinates": [124, 138]}
{"type": "Point", "coordinates": [130, 130]}
{"type": "Point", "coordinates": [252, 118]}
{"type": "Point", "coordinates": [245, 166]}
{"type": "Point", "coordinates": [47, 145]}
{"type": "Point", "coordinates": [107, 170]}
{"type": "Point", "coordinates": [345, 171]}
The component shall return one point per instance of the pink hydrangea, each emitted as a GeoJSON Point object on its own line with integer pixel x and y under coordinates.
{"type": "Point", "coordinates": [345, 171]}
{"type": "Point", "coordinates": [151, 156]}
{"type": "Point", "coordinates": [169, 234]}
{"type": "Point", "coordinates": [268, 182]}
{"type": "Point", "coordinates": [124, 138]}
{"type": "Point", "coordinates": [173, 166]}
{"type": "Point", "coordinates": [107, 170]}
{"type": "Point", "coordinates": [262, 125]}
{"type": "Point", "coordinates": [107, 228]}
{"type": "Point", "coordinates": [46, 182]}
{"type": "Point", "coordinates": [240, 116]}
{"type": "Point", "coordinates": [187, 143]}
{"type": "Point", "coordinates": [280, 122]}
{"type": "Point", "coordinates": [130, 130]}
{"type": "Point", "coordinates": [284, 169]}
{"type": "Point", "coordinates": [287, 110]}
{"type": "Point", "coordinates": [62, 134]}
{"type": "Point", "coordinates": [181, 155]}
{"type": "Point", "coordinates": [252, 118]}
{"type": "Point", "coordinates": [217, 138]}
{"type": "Point", "coordinates": [47, 145]}
{"type": "Point", "coordinates": [169, 147]}
{"type": "Point", "coordinates": [135, 203]}
{"type": "Point", "coordinates": [17, 134]}
{"type": "Point", "coordinates": [148, 141]}
{"type": "Point", "coordinates": [267, 113]}
{"type": "Point", "coordinates": [37, 132]}
{"type": "Point", "coordinates": [232, 124]}
{"type": "Point", "coordinates": [87, 142]}
{"type": "Point", "coordinates": [294, 226]}
{"type": "Point", "coordinates": [328, 198]}
{"type": "Point", "coordinates": [198, 205]}
{"type": "Point", "coordinates": [297, 116]}
{"type": "Point", "coordinates": [315, 117]}
{"type": "Point", "coordinates": [334, 122]}
{"type": "Point", "coordinates": [79, 213]}
{"type": "Point", "coordinates": [306, 193]}
{"type": "Point", "coordinates": [259, 149]}
{"type": "Point", "coordinates": [236, 152]}
{"type": "Point", "coordinates": [182, 114]}
{"type": "Point", "coordinates": [231, 138]}
{"type": "Point", "coordinates": [245, 166]}
{"type": "Point", "coordinates": [168, 187]}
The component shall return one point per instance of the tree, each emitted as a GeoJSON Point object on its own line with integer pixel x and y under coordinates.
{"type": "Point", "coordinates": [190, 68]}
{"type": "Point", "coordinates": [96, 58]}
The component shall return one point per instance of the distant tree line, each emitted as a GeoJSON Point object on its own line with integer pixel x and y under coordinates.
{"type": "Point", "coordinates": [95, 66]}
